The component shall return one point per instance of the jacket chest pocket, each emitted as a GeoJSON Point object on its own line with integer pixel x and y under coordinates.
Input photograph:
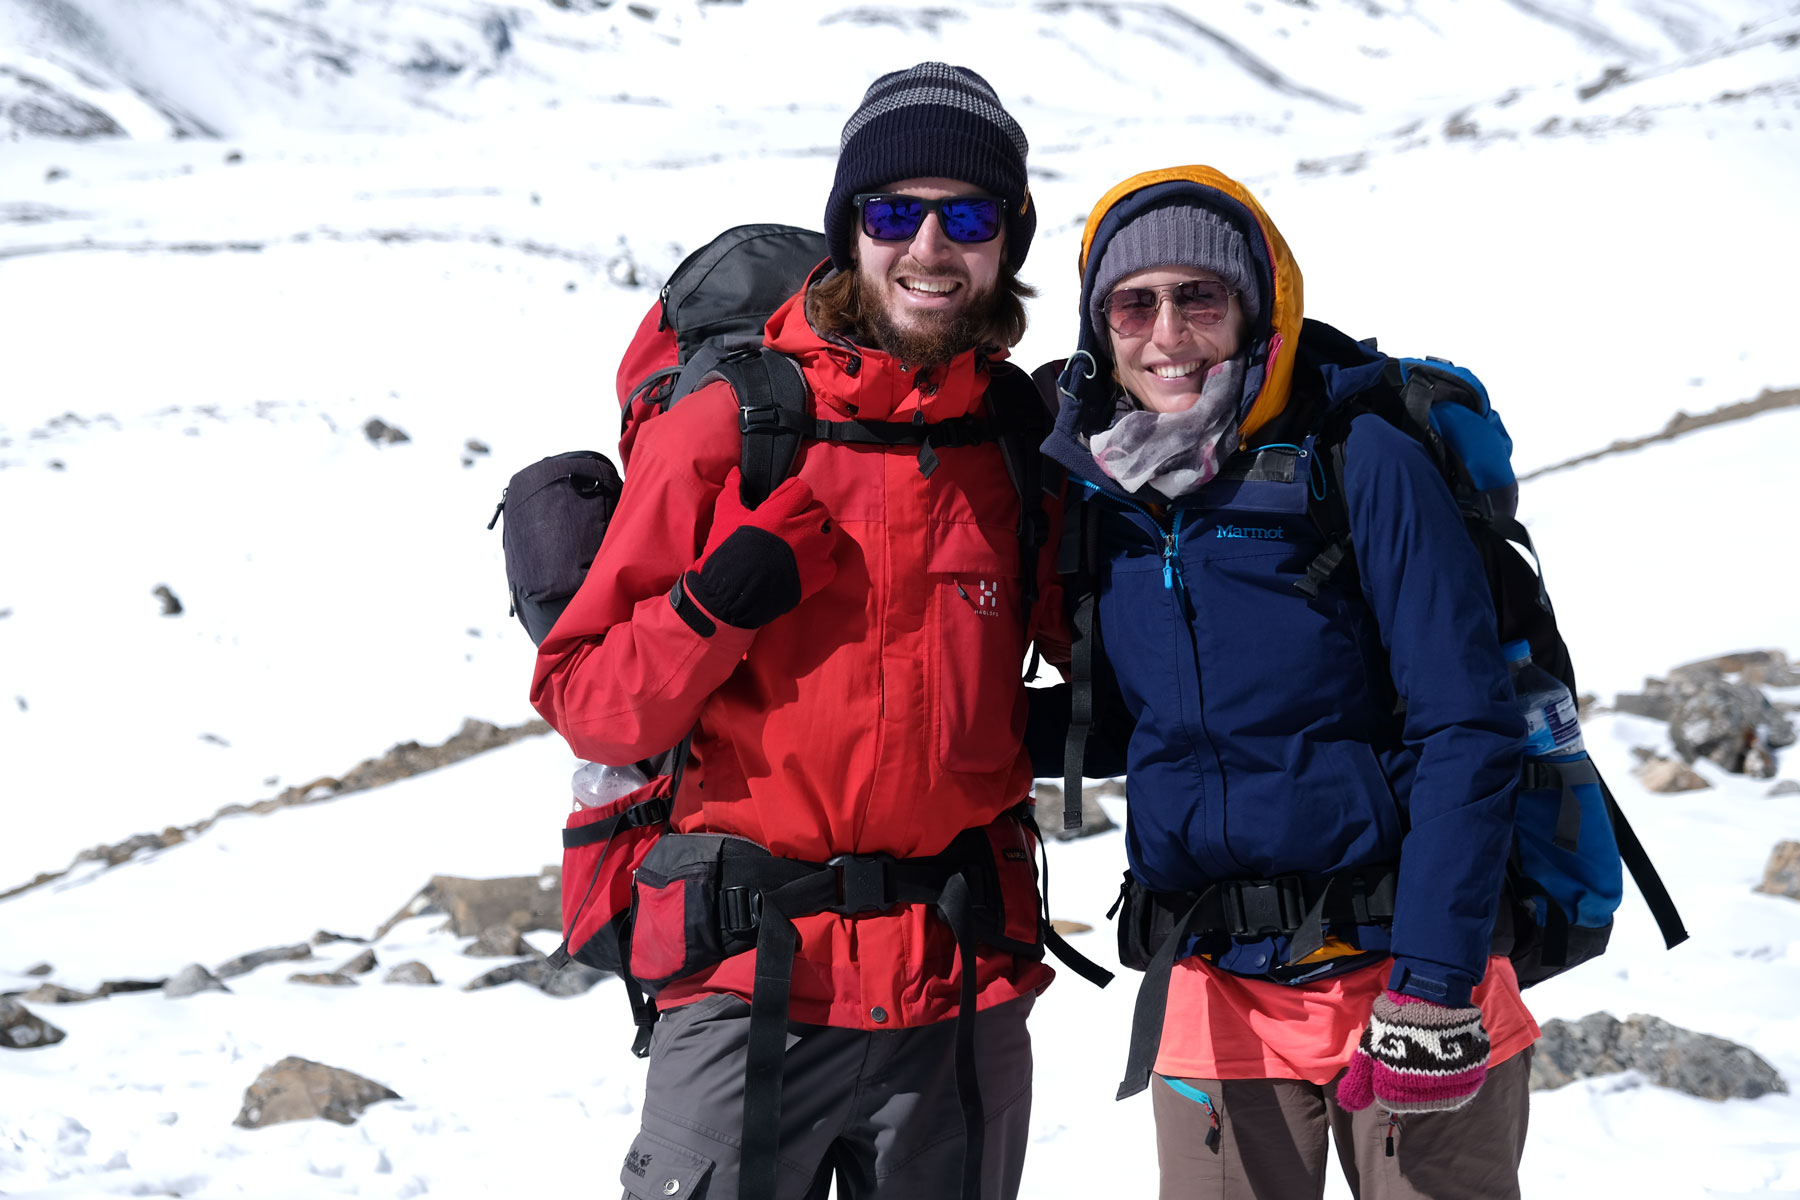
{"type": "Point", "coordinates": [978, 645]}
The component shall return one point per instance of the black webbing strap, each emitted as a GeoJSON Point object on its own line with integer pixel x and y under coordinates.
{"type": "Point", "coordinates": [1561, 776]}
{"type": "Point", "coordinates": [1649, 883]}
{"type": "Point", "coordinates": [1018, 409]}
{"type": "Point", "coordinates": [776, 941]}
{"type": "Point", "coordinates": [643, 1014]}
{"type": "Point", "coordinates": [1333, 521]}
{"type": "Point", "coordinates": [1081, 661]}
{"type": "Point", "coordinates": [954, 906]}
{"type": "Point", "coordinates": [771, 396]}
{"type": "Point", "coordinates": [1054, 942]}
{"type": "Point", "coordinates": [1152, 1005]}
{"type": "Point", "coordinates": [1288, 905]}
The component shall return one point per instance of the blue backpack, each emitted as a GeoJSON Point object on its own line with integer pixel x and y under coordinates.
{"type": "Point", "coordinates": [1571, 841]}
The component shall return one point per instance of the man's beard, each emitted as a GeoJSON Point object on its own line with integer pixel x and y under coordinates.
{"type": "Point", "coordinates": [931, 339]}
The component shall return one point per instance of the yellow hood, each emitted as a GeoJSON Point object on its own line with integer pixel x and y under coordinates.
{"type": "Point", "coordinates": [1280, 324]}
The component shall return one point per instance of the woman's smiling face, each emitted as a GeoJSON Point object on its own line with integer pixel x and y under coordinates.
{"type": "Point", "coordinates": [1164, 366]}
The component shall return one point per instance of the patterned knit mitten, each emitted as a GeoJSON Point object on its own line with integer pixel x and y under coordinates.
{"type": "Point", "coordinates": [1416, 1056]}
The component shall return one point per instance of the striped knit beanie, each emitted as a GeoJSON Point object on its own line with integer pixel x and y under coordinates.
{"type": "Point", "coordinates": [932, 120]}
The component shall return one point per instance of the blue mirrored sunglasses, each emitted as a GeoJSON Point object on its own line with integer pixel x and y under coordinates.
{"type": "Point", "coordinates": [889, 217]}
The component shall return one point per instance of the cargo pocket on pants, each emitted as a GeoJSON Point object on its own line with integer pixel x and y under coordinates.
{"type": "Point", "coordinates": [657, 1169]}
{"type": "Point", "coordinates": [980, 647]}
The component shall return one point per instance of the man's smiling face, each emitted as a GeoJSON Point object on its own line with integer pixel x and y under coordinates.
{"type": "Point", "coordinates": [926, 298]}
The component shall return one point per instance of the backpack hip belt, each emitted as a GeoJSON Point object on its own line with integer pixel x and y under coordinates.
{"type": "Point", "coordinates": [743, 897]}
{"type": "Point", "coordinates": [1154, 927]}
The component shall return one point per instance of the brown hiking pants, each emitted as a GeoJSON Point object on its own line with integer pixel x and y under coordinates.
{"type": "Point", "coordinates": [1272, 1135]}
{"type": "Point", "coordinates": [877, 1110]}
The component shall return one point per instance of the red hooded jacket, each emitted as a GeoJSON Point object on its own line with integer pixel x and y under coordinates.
{"type": "Point", "coordinates": [883, 715]}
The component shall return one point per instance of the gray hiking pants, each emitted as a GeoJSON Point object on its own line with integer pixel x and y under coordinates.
{"type": "Point", "coordinates": [1272, 1136]}
{"type": "Point", "coordinates": [878, 1109]}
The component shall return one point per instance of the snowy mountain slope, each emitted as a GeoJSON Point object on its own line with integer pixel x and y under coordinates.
{"type": "Point", "coordinates": [234, 68]}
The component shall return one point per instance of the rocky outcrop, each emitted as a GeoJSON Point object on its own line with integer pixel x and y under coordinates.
{"type": "Point", "coordinates": [1664, 1054]}
{"type": "Point", "coordinates": [22, 1029]}
{"type": "Point", "coordinates": [298, 1089]}
{"type": "Point", "coordinates": [1782, 876]}
{"type": "Point", "coordinates": [400, 762]}
{"type": "Point", "coordinates": [521, 903]}
{"type": "Point", "coordinates": [1717, 710]}
{"type": "Point", "coordinates": [572, 980]}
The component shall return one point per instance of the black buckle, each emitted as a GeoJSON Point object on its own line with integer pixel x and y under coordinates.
{"type": "Point", "coordinates": [760, 416]}
{"type": "Point", "coordinates": [740, 910]}
{"type": "Point", "coordinates": [864, 883]}
{"type": "Point", "coordinates": [1255, 907]}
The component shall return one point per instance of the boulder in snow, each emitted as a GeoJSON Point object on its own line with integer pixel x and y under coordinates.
{"type": "Point", "coordinates": [521, 902]}
{"type": "Point", "coordinates": [1699, 1064]}
{"type": "Point", "coordinates": [22, 1029]}
{"type": "Point", "coordinates": [1724, 721]}
{"type": "Point", "coordinates": [322, 978]}
{"type": "Point", "coordinates": [1782, 876]}
{"type": "Point", "coordinates": [416, 973]}
{"type": "Point", "coordinates": [243, 964]}
{"type": "Point", "coordinates": [190, 980]}
{"type": "Point", "coordinates": [298, 1089]}
{"type": "Point", "coordinates": [1666, 775]}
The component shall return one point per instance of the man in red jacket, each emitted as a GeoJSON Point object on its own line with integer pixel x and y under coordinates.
{"type": "Point", "coordinates": [847, 656]}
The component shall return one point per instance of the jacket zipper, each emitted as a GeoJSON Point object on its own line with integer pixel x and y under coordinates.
{"type": "Point", "coordinates": [1175, 580]}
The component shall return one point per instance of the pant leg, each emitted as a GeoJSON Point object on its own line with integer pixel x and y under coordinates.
{"type": "Point", "coordinates": [690, 1143]}
{"type": "Point", "coordinates": [1471, 1153]}
{"type": "Point", "coordinates": [906, 1140]}
{"type": "Point", "coordinates": [1272, 1139]}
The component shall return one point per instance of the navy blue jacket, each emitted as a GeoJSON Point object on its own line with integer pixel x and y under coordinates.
{"type": "Point", "coordinates": [1266, 737]}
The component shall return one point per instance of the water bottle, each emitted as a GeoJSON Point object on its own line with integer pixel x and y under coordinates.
{"type": "Point", "coordinates": [596, 784]}
{"type": "Point", "coordinates": [1552, 728]}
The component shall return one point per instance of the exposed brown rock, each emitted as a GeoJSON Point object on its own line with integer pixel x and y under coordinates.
{"type": "Point", "coordinates": [1782, 876]}
{"type": "Point", "coordinates": [297, 1089]}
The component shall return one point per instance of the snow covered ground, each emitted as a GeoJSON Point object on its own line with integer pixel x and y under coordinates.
{"type": "Point", "coordinates": [195, 331]}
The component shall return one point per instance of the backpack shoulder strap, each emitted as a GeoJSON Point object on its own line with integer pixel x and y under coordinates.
{"type": "Point", "coordinates": [1022, 424]}
{"type": "Point", "coordinates": [771, 395]}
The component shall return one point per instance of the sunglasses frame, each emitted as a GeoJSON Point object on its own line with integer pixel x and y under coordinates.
{"type": "Point", "coordinates": [1166, 292]}
{"type": "Point", "coordinates": [930, 206]}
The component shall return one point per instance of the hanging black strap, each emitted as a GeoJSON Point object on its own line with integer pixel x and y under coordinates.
{"type": "Point", "coordinates": [776, 941]}
{"type": "Point", "coordinates": [1081, 658]}
{"type": "Point", "coordinates": [1152, 1004]}
{"type": "Point", "coordinates": [1643, 871]}
{"type": "Point", "coordinates": [955, 905]}
{"type": "Point", "coordinates": [1054, 942]}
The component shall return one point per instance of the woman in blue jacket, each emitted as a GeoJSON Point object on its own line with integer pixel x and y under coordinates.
{"type": "Point", "coordinates": [1320, 787]}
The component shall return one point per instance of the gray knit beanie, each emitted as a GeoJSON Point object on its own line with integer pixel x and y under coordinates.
{"type": "Point", "coordinates": [931, 121]}
{"type": "Point", "coordinates": [1177, 235]}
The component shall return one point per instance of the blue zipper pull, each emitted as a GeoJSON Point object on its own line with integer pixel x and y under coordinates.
{"type": "Point", "coordinates": [1168, 560]}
